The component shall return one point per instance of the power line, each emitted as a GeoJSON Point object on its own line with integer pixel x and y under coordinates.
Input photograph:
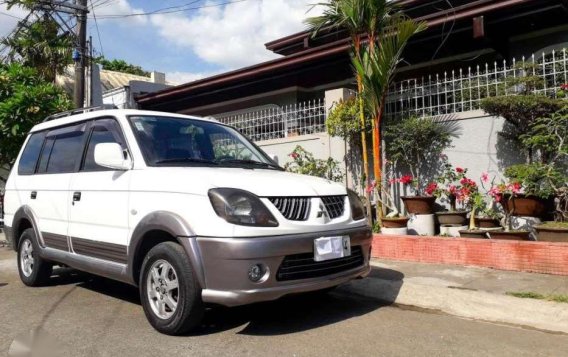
{"type": "Point", "coordinates": [97, 26]}
{"type": "Point", "coordinates": [171, 9]}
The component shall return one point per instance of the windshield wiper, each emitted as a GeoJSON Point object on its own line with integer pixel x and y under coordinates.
{"type": "Point", "coordinates": [186, 159]}
{"type": "Point", "coordinates": [249, 162]}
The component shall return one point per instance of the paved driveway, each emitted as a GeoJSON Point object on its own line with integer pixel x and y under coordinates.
{"type": "Point", "coordinates": [89, 316]}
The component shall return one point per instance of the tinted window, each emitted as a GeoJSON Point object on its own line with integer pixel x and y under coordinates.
{"type": "Point", "coordinates": [180, 141]}
{"type": "Point", "coordinates": [104, 131]}
{"type": "Point", "coordinates": [30, 155]}
{"type": "Point", "coordinates": [61, 150]}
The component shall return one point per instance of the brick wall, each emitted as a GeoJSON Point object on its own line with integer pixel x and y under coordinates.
{"type": "Point", "coordinates": [537, 257]}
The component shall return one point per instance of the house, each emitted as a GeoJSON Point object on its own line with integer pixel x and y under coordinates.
{"type": "Point", "coordinates": [116, 88]}
{"type": "Point", "coordinates": [469, 47]}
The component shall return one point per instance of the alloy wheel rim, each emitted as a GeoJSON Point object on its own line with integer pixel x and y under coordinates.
{"type": "Point", "coordinates": [27, 258]}
{"type": "Point", "coordinates": [162, 289]}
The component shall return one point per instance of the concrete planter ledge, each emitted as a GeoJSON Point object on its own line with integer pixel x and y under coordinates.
{"type": "Point", "coordinates": [527, 256]}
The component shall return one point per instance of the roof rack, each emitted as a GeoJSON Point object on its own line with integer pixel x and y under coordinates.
{"type": "Point", "coordinates": [79, 111]}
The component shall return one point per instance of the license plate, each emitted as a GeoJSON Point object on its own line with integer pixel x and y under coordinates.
{"type": "Point", "coordinates": [326, 248]}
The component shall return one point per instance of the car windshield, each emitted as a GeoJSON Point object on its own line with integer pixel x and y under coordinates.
{"type": "Point", "coordinates": [170, 141]}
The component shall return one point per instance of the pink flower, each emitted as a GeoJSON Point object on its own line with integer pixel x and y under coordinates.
{"type": "Point", "coordinates": [515, 187]}
{"type": "Point", "coordinates": [485, 177]}
{"type": "Point", "coordinates": [459, 170]}
{"type": "Point", "coordinates": [392, 180]}
{"type": "Point", "coordinates": [294, 155]}
{"type": "Point", "coordinates": [564, 86]}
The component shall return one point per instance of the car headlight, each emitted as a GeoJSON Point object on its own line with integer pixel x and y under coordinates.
{"type": "Point", "coordinates": [241, 207]}
{"type": "Point", "coordinates": [357, 208]}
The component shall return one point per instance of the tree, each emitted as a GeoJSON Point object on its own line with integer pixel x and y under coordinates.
{"type": "Point", "coordinates": [41, 45]}
{"type": "Point", "coordinates": [361, 18]}
{"type": "Point", "coordinates": [25, 100]}
{"type": "Point", "coordinates": [121, 66]}
{"type": "Point", "coordinates": [377, 66]}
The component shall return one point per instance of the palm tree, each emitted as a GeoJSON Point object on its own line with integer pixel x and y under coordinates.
{"type": "Point", "coordinates": [376, 66]}
{"type": "Point", "coordinates": [362, 19]}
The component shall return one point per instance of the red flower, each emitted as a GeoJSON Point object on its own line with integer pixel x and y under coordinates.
{"type": "Point", "coordinates": [564, 86]}
{"type": "Point", "coordinates": [515, 187]}
{"type": "Point", "coordinates": [431, 188]}
{"type": "Point", "coordinates": [406, 179]}
{"type": "Point", "coordinates": [294, 155]}
{"type": "Point", "coordinates": [459, 170]}
{"type": "Point", "coordinates": [485, 177]}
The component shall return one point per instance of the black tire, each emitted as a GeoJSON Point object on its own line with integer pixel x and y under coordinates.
{"type": "Point", "coordinates": [41, 269]}
{"type": "Point", "coordinates": [190, 309]}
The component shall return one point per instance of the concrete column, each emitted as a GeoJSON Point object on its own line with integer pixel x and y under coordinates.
{"type": "Point", "coordinates": [337, 146]}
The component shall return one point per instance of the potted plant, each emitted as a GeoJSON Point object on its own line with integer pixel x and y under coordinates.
{"type": "Point", "coordinates": [393, 218]}
{"type": "Point", "coordinates": [453, 188]}
{"type": "Point", "coordinates": [417, 144]}
{"type": "Point", "coordinates": [548, 136]}
{"type": "Point", "coordinates": [502, 193]}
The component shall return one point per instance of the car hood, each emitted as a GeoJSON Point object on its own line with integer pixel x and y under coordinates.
{"type": "Point", "coordinates": [261, 182]}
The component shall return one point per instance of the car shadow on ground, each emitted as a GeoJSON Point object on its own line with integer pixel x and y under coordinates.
{"type": "Point", "coordinates": [290, 314]}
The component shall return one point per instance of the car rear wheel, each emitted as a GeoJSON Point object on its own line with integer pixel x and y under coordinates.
{"type": "Point", "coordinates": [170, 295]}
{"type": "Point", "coordinates": [33, 270]}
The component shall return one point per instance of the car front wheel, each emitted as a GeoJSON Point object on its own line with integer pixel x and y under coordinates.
{"type": "Point", "coordinates": [170, 295]}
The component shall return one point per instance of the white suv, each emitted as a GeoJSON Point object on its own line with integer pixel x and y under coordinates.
{"type": "Point", "coordinates": [186, 208]}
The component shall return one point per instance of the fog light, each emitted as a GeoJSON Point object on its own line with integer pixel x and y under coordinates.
{"type": "Point", "coordinates": [256, 272]}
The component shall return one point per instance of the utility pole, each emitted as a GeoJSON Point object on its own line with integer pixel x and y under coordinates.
{"type": "Point", "coordinates": [79, 53]}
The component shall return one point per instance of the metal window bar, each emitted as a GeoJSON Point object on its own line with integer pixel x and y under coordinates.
{"type": "Point", "coordinates": [462, 90]}
{"type": "Point", "coordinates": [275, 123]}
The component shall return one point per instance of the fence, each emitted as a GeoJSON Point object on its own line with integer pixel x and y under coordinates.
{"type": "Point", "coordinates": [453, 92]}
{"type": "Point", "coordinates": [462, 90]}
{"type": "Point", "coordinates": [280, 122]}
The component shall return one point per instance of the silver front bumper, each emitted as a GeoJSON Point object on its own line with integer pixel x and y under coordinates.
{"type": "Point", "coordinates": [225, 263]}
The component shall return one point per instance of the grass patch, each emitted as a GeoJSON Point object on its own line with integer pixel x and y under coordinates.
{"type": "Point", "coordinates": [532, 295]}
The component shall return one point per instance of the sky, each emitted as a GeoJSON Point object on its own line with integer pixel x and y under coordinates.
{"type": "Point", "coordinates": [206, 38]}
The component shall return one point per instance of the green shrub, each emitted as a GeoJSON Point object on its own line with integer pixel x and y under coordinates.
{"type": "Point", "coordinates": [304, 163]}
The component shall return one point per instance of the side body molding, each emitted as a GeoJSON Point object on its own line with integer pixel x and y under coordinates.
{"type": "Point", "coordinates": [24, 212]}
{"type": "Point", "coordinates": [175, 226]}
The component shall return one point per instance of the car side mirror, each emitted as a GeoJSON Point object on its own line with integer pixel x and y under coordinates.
{"type": "Point", "coordinates": [274, 158]}
{"type": "Point", "coordinates": [112, 156]}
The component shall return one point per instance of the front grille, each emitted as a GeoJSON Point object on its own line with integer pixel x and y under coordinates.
{"type": "Point", "coordinates": [303, 266]}
{"type": "Point", "coordinates": [293, 208]}
{"type": "Point", "coordinates": [334, 205]}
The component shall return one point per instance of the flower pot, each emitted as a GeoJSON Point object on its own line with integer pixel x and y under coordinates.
{"type": "Point", "coordinates": [457, 217]}
{"type": "Point", "coordinates": [419, 204]}
{"type": "Point", "coordinates": [473, 234]}
{"type": "Point", "coordinates": [551, 233]}
{"type": "Point", "coordinates": [451, 230]}
{"type": "Point", "coordinates": [529, 206]}
{"type": "Point", "coordinates": [398, 222]}
{"type": "Point", "coordinates": [511, 235]}
{"type": "Point", "coordinates": [394, 231]}
{"type": "Point", "coordinates": [486, 222]}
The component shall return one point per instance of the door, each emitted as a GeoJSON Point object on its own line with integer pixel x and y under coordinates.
{"type": "Point", "coordinates": [98, 204]}
{"type": "Point", "coordinates": [49, 187]}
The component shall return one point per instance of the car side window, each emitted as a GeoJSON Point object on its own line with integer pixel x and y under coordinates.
{"type": "Point", "coordinates": [102, 131]}
{"type": "Point", "coordinates": [28, 160]}
{"type": "Point", "coordinates": [61, 150]}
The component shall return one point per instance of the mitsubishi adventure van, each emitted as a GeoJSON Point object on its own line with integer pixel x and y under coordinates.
{"type": "Point", "coordinates": [187, 209]}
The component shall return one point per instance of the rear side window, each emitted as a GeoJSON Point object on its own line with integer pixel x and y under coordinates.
{"type": "Point", "coordinates": [28, 161]}
{"type": "Point", "coordinates": [62, 150]}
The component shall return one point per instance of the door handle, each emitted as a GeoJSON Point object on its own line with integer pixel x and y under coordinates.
{"type": "Point", "coordinates": [76, 196]}
{"type": "Point", "coordinates": [33, 195]}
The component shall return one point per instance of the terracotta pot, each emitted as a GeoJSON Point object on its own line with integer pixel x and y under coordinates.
{"type": "Point", "coordinates": [398, 222]}
{"type": "Point", "coordinates": [473, 234]}
{"type": "Point", "coordinates": [514, 235]}
{"type": "Point", "coordinates": [458, 217]}
{"type": "Point", "coordinates": [485, 222]}
{"type": "Point", "coordinates": [419, 204]}
{"type": "Point", "coordinates": [552, 234]}
{"type": "Point", "coordinates": [528, 206]}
